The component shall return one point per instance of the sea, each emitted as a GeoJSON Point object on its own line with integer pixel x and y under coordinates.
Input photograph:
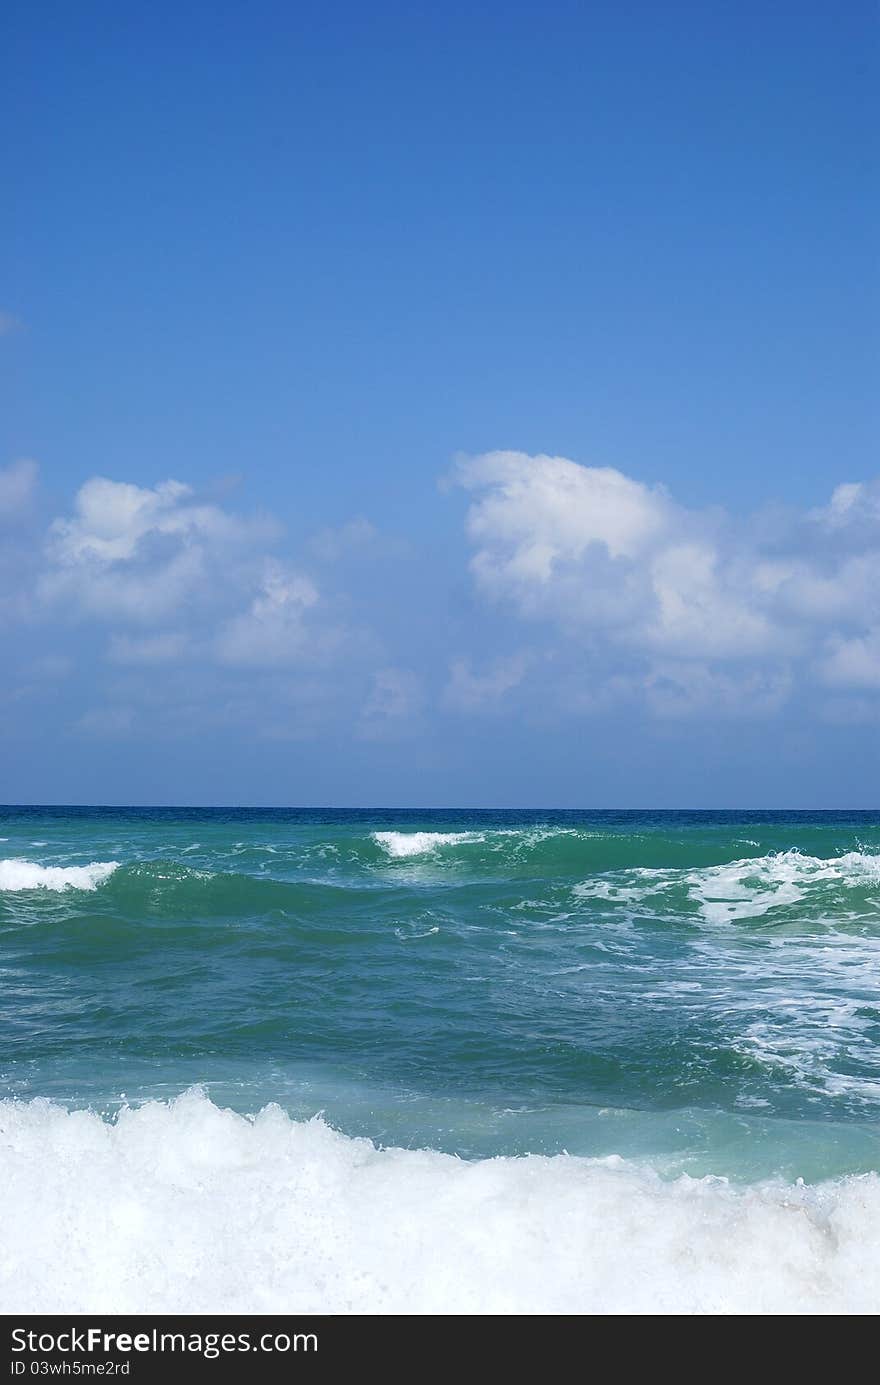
{"type": "Point", "coordinates": [426, 1062]}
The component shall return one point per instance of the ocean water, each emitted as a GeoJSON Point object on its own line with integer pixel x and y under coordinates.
{"type": "Point", "coordinates": [413, 1061]}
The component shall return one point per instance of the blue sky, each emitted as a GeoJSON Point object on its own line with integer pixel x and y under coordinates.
{"type": "Point", "coordinates": [515, 371]}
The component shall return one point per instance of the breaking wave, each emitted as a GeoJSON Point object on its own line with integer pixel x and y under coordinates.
{"type": "Point", "coordinates": [400, 845]}
{"type": "Point", "coordinates": [185, 1207]}
{"type": "Point", "coordinates": [29, 875]}
{"type": "Point", "coordinates": [749, 888]}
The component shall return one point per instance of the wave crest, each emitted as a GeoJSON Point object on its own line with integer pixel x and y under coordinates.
{"type": "Point", "coordinates": [400, 845]}
{"type": "Point", "coordinates": [742, 889]}
{"type": "Point", "coordinates": [17, 874]}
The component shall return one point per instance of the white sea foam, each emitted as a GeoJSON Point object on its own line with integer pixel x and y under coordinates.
{"type": "Point", "coordinates": [187, 1208]}
{"type": "Point", "coordinates": [403, 844]}
{"type": "Point", "coordinates": [515, 840]}
{"type": "Point", "coordinates": [750, 888]}
{"type": "Point", "coordinates": [28, 875]}
{"type": "Point", "coordinates": [742, 889]}
{"type": "Point", "coordinates": [802, 1007]}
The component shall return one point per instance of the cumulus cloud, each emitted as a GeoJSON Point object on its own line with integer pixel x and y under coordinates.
{"type": "Point", "coordinates": [138, 553]}
{"type": "Point", "coordinates": [718, 613]}
{"type": "Point", "coordinates": [175, 586]}
{"type": "Point", "coordinates": [594, 549]}
{"type": "Point", "coordinates": [633, 601]}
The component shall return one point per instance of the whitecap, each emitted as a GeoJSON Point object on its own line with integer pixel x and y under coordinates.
{"type": "Point", "coordinates": [742, 889]}
{"type": "Point", "coordinates": [400, 845]}
{"type": "Point", "coordinates": [29, 875]}
{"type": "Point", "coordinates": [751, 888]}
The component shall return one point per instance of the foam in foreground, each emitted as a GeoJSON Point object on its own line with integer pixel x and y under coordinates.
{"type": "Point", "coordinates": [185, 1207]}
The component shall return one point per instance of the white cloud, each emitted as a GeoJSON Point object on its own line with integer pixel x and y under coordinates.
{"type": "Point", "coordinates": [17, 485]}
{"type": "Point", "coordinates": [828, 572]}
{"type": "Point", "coordinates": [114, 521]}
{"type": "Point", "coordinates": [593, 549]}
{"type": "Point", "coordinates": [698, 606]}
{"type": "Point", "coordinates": [623, 571]}
{"type": "Point", "coordinates": [853, 502]}
{"type": "Point", "coordinates": [853, 663]}
{"type": "Point", "coordinates": [195, 603]}
{"type": "Point", "coordinates": [141, 593]}
{"type": "Point", "coordinates": [274, 629]}
{"type": "Point", "coordinates": [138, 554]}
{"type": "Point", "coordinates": [634, 601]}
{"type": "Point", "coordinates": [538, 516]}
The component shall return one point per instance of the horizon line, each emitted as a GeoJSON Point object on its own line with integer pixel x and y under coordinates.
{"type": "Point", "coordinates": [431, 808]}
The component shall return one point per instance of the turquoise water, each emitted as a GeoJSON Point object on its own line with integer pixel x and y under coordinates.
{"type": "Point", "coordinates": [699, 990]}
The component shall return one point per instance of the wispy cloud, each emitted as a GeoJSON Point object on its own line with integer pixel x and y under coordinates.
{"type": "Point", "coordinates": [276, 627]}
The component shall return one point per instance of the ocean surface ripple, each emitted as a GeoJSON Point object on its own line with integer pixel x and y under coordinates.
{"type": "Point", "coordinates": [439, 1061]}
